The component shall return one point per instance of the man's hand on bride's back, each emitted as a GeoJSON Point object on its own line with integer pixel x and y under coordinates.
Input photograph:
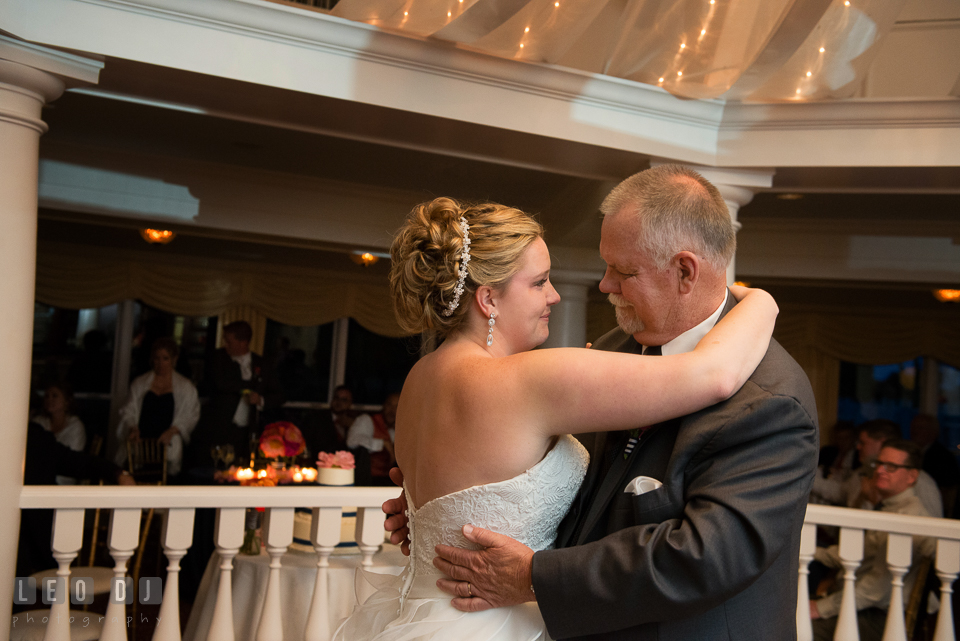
{"type": "Point", "coordinates": [497, 575]}
{"type": "Point", "coordinates": [396, 511]}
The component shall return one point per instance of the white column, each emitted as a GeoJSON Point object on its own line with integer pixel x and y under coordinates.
{"type": "Point", "coordinates": [30, 76]}
{"type": "Point", "coordinates": [737, 186]}
{"type": "Point", "coordinates": [568, 318]}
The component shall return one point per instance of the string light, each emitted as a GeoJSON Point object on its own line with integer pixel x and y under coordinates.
{"type": "Point", "coordinates": [703, 32]}
{"type": "Point", "coordinates": [406, 13]}
{"type": "Point", "coordinates": [661, 80]}
{"type": "Point", "coordinates": [809, 73]}
{"type": "Point", "coordinates": [713, 1]}
{"type": "Point", "coordinates": [847, 3]}
{"type": "Point", "coordinates": [679, 73]}
{"type": "Point", "coordinates": [683, 46]}
{"type": "Point", "coordinates": [449, 14]}
{"type": "Point", "coordinates": [527, 30]}
{"type": "Point", "coordinates": [556, 4]}
{"type": "Point", "coordinates": [521, 45]}
{"type": "Point", "coordinates": [822, 49]}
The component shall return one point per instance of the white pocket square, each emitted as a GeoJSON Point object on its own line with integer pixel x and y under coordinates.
{"type": "Point", "coordinates": [642, 484]}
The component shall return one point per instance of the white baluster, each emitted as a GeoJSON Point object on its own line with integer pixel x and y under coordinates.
{"type": "Point", "coordinates": [369, 532]}
{"type": "Point", "coordinates": [899, 553]}
{"type": "Point", "coordinates": [948, 565]}
{"type": "Point", "coordinates": [228, 535]}
{"type": "Point", "coordinates": [324, 534]}
{"type": "Point", "coordinates": [851, 554]}
{"type": "Point", "coordinates": [123, 538]}
{"type": "Point", "coordinates": [66, 541]}
{"type": "Point", "coordinates": [808, 545]}
{"type": "Point", "coordinates": [177, 536]}
{"type": "Point", "coordinates": [278, 531]}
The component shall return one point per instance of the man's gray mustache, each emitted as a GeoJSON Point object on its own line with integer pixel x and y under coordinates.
{"type": "Point", "coordinates": [618, 301]}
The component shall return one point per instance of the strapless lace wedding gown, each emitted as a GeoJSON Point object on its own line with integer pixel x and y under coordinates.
{"type": "Point", "coordinates": [528, 508]}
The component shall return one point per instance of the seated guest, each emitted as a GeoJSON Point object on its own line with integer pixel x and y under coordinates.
{"type": "Point", "coordinates": [938, 462]}
{"type": "Point", "coordinates": [58, 418]}
{"type": "Point", "coordinates": [838, 462]}
{"type": "Point", "coordinates": [46, 460]}
{"type": "Point", "coordinates": [163, 404]}
{"type": "Point", "coordinates": [897, 467]}
{"type": "Point", "coordinates": [375, 434]}
{"type": "Point", "coordinates": [859, 492]}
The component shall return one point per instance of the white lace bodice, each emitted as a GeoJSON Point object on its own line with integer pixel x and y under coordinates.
{"type": "Point", "coordinates": [528, 507]}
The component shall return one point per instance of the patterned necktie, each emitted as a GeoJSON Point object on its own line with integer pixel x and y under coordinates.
{"type": "Point", "coordinates": [634, 437]}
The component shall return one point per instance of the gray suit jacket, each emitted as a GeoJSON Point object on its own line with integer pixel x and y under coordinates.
{"type": "Point", "coordinates": [711, 555]}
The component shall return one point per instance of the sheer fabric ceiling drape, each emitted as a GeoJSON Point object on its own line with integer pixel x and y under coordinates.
{"type": "Point", "coordinates": [754, 50]}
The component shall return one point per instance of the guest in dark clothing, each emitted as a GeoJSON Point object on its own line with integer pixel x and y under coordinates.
{"type": "Point", "coordinates": [243, 394]}
{"type": "Point", "coordinates": [45, 460]}
{"type": "Point", "coordinates": [938, 462]}
{"type": "Point", "coordinates": [327, 431]}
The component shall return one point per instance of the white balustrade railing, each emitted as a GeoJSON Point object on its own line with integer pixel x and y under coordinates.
{"type": "Point", "coordinates": [900, 529]}
{"type": "Point", "coordinates": [178, 504]}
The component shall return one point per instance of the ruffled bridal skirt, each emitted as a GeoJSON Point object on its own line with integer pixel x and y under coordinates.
{"type": "Point", "coordinates": [426, 613]}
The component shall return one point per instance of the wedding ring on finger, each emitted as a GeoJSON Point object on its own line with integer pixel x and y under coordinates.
{"type": "Point", "coordinates": [469, 591]}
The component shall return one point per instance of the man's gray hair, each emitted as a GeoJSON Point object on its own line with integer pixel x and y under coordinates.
{"type": "Point", "coordinates": [679, 210]}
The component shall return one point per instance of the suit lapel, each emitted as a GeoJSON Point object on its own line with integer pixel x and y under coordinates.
{"type": "Point", "coordinates": [610, 485]}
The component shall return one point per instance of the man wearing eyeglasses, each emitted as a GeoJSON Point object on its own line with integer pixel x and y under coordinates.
{"type": "Point", "coordinates": [896, 469]}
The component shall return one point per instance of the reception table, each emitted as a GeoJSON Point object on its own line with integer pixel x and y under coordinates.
{"type": "Point", "coordinates": [297, 579]}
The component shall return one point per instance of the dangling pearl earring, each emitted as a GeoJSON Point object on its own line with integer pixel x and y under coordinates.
{"type": "Point", "coordinates": [491, 322]}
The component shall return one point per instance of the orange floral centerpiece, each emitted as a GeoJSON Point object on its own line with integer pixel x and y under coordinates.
{"type": "Point", "coordinates": [282, 440]}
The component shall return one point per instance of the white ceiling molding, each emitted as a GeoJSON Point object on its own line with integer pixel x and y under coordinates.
{"type": "Point", "coordinates": [307, 51]}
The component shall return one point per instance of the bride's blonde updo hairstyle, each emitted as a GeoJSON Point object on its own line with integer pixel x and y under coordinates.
{"type": "Point", "coordinates": [426, 259]}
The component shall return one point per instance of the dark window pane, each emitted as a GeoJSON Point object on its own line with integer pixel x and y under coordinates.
{"type": "Point", "coordinates": [300, 357]}
{"type": "Point", "coordinates": [377, 365]}
{"type": "Point", "coordinates": [949, 409]}
{"type": "Point", "coordinates": [890, 391]}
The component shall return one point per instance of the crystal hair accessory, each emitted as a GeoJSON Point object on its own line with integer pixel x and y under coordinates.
{"type": "Point", "coordinates": [462, 275]}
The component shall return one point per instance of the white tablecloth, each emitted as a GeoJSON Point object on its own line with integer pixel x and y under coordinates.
{"type": "Point", "coordinates": [296, 590]}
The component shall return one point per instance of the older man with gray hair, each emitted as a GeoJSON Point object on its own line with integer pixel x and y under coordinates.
{"type": "Point", "coordinates": [710, 549]}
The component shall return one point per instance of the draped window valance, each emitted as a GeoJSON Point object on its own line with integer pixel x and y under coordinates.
{"type": "Point", "coordinates": [78, 277]}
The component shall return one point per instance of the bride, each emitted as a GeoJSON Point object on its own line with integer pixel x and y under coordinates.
{"type": "Point", "coordinates": [482, 431]}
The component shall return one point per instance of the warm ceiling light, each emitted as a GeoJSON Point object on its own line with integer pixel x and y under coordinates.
{"type": "Point", "coordinates": [947, 295]}
{"type": "Point", "coordinates": [157, 236]}
{"type": "Point", "coordinates": [789, 196]}
{"type": "Point", "coordinates": [364, 258]}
